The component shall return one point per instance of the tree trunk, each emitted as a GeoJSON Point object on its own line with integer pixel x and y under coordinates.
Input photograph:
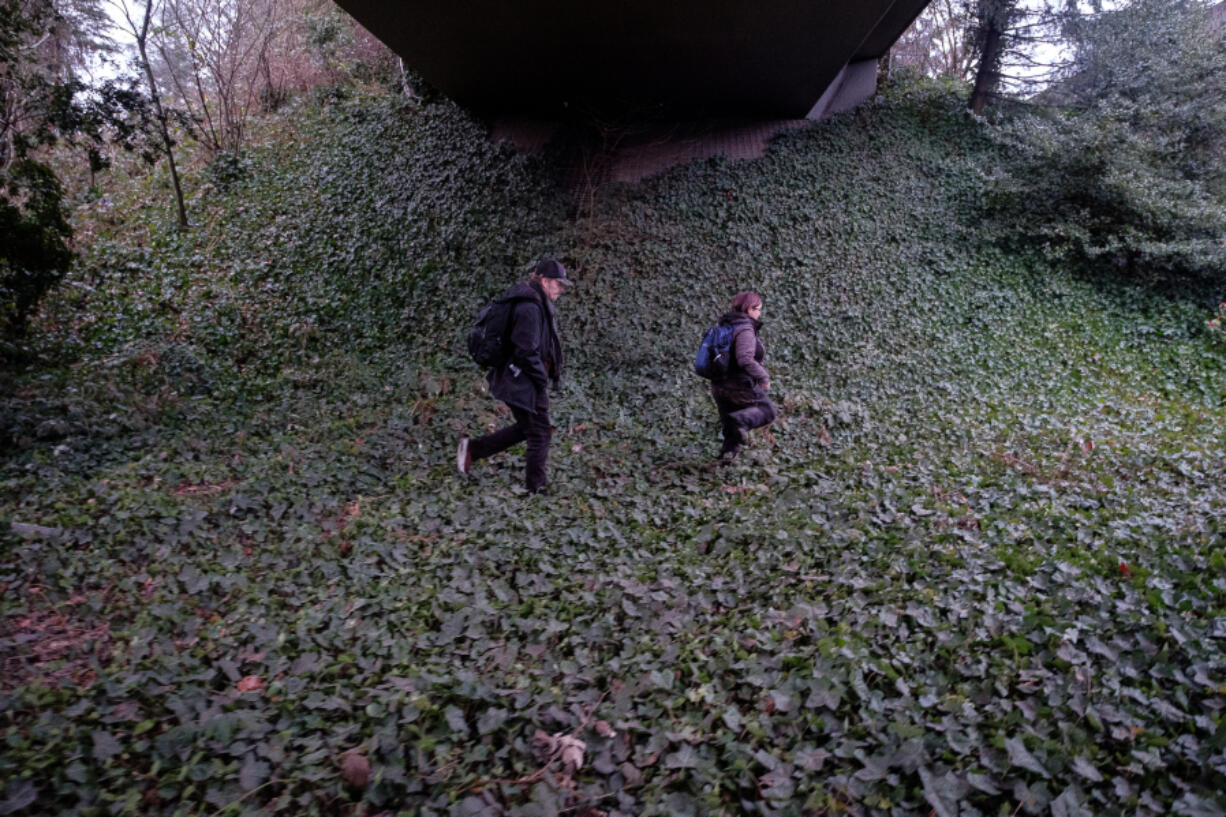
{"type": "Point", "coordinates": [989, 67]}
{"type": "Point", "coordinates": [161, 117]}
{"type": "Point", "coordinates": [989, 61]}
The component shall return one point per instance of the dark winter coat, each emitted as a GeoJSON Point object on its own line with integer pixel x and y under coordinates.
{"type": "Point", "coordinates": [536, 351]}
{"type": "Point", "coordinates": [747, 378]}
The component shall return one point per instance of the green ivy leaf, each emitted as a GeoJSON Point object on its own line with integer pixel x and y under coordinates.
{"type": "Point", "coordinates": [1021, 757]}
{"type": "Point", "coordinates": [105, 746]}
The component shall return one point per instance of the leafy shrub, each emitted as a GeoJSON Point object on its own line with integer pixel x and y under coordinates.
{"type": "Point", "coordinates": [34, 231]}
{"type": "Point", "coordinates": [1217, 324]}
{"type": "Point", "coordinates": [227, 169]}
{"type": "Point", "coordinates": [329, 94]}
{"type": "Point", "coordinates": [1092, 190]}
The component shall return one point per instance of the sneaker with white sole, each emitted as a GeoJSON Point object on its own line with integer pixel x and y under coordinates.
{"type": "Point", "coordinates": [463, 459]}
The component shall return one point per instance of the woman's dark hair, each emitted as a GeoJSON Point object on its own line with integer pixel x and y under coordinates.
{"type": "Point", "coordinates": [745, 301]}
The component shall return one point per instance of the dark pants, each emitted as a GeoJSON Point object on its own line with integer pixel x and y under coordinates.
{"type": "Point", "coordinates": [532, 426]}
{"type": "Point", "coordinates": [738, 417]}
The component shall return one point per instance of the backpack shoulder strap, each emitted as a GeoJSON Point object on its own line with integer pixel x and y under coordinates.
{"type": "Point", "coordinates": [737, 330]}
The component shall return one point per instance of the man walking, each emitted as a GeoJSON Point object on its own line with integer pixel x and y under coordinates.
{"type": "Point", "coordinates": [534, 358]}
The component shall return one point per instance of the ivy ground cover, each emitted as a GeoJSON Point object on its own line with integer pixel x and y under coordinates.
{"type": "Point", "coordinates": [975, 568]}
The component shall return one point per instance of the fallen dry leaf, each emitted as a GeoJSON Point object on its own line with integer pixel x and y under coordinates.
{"type": "Point", "coordinates": [571, 749]}
{"type": "Point", "coordinates": [355, 768]}
{"type": "Point", "coordinates": [251, 683]}
{"type": "Point", "coordinates": [558, 746]}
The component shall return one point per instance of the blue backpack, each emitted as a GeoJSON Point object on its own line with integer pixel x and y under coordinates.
{"type": "Point", "coordinates": [714, 353]}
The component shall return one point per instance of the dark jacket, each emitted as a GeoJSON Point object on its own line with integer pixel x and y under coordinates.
{"type": "Point", "coordinates": [746, 375]}
{"type": "Point", "coordinates": [536, 351]}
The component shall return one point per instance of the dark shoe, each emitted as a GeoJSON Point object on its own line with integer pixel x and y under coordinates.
{"type": "Point", "coordinates": [728, 456]}
{"type": "Point", "coordinates": [463, 459]}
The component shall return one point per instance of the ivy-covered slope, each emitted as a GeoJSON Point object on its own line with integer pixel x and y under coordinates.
{"type": "Point", "coordinates": [974, 568]}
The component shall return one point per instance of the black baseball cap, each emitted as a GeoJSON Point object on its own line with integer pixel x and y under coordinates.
{"type": "Point", "coordinates": [548, 268]}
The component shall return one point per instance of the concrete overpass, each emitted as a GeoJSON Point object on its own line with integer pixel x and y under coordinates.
{"type": "Point", "coordinates": [678, 59]}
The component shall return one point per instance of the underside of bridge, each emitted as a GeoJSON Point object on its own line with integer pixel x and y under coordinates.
{"type": "Point", "coordinates": [782, 59]}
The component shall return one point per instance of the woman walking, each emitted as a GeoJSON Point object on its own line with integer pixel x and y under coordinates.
{"type": "Point", "coordinates": [740, 395]}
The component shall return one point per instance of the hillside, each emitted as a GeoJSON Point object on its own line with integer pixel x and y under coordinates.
{"type": "Point", "coordinates": [974, 568]}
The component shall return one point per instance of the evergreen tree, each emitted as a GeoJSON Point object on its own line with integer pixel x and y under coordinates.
{"type": "Point", "coordinates": [1015, 46]}
{"type": "Point", "coordinates": [1129, 169]}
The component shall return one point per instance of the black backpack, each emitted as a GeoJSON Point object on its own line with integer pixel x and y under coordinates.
{"type": "Point", "coordinates": [487, 340]}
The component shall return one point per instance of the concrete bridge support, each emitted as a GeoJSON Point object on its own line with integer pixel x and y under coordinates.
{"type": "Point", "coordinates": [678, 59]}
